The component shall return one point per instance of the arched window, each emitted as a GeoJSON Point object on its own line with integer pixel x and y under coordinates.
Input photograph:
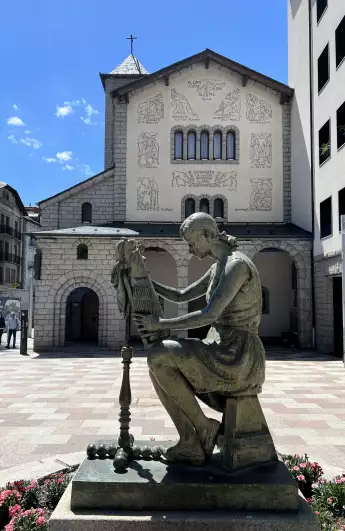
{"type": "Point", "coordinates": [178, 145]}
{"type": "Point", "coordinates": [205, 205]}
{"type": "Point", "coordinates": [86, 213]}
{"type": "Point", "coordinates": [218, 208]}
{"type": "Point", "coordinates": [191, 145]}
{"type": "Point", "coordinates": [230, 145]}
{"type": "Point", "coordinates": [204, 145]}
{"type": "Point", "coordinates": [265, 301]}
{"type": "Point", "coordinates": [189, 207]}
{"type": "Point", "coordinates": [82, 252]}
{"type": "Point", "coordinates": [217, 145]}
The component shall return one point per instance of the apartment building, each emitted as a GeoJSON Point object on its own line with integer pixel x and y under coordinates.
{"type": "Point", "coordinates": [317, 74]}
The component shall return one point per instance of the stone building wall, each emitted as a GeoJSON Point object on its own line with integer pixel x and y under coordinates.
{"type": "Point", "coordinates": [325, 268]}
{"type": "Point", "coordinates": [62, 273]}
{"type": "Point", "coordinates": [64, 210]}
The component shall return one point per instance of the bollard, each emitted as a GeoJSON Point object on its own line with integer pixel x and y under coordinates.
{"type": "Point", "coordinates": [24, 332]}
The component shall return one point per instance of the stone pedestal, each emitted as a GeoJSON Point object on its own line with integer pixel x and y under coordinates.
{"type": "Point", "coordinates": [64, 519]}
{"type": "Point", "coordinates": [162, 496]}
{"type": "Point", "coordinates": [246, 439]}
{"type": "Point", "coordinates": [161, 486]}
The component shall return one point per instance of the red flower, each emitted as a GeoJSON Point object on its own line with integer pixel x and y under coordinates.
{"type": "Point", "coordinates": [60, 480]}
{"type": "Point", "coordinates": [14, 509]}
{"type": "Point", "coordinates": [40, 520]}
{"type": "Point", "coordinates": [309, 500]}
{"type": "Point", "coordinates": [317, 513]}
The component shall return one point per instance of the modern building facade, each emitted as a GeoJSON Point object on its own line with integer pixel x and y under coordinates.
{"type": "Point", "coordinates": [12, 212]}
{"type": "Point", "coordinates": [204, 134]}
{"type": "Point", "coordinates": [317, 75]}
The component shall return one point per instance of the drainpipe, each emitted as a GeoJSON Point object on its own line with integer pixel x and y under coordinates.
{"type": "Point", "coordinates": [312, 166]}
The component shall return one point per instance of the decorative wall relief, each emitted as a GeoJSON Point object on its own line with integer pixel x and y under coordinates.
{"type": "Point", "coordinates": [151, 111]}
{"type": "Point", "coordinates": [258, 111]}
{"type": "Point", "coordinates": [148, 150]}
{"type": "Point", "coordinates": [261, 150]}
{"type": "Point", "coordinates": [182, 111]}
{"type": "Point", "coordinates": [147, 194]}
{"type": "Point", "coordinates": [205, 178]}
{"type": "Point", "coordinates": [207, 88]}
{"type": "Point", "coordinates": [261, 195]}
{"type": "Point", "coordinates": [230, 107]}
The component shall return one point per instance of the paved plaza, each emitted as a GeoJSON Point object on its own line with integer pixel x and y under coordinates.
{"type": "Point", "coordinates": [56, 403]}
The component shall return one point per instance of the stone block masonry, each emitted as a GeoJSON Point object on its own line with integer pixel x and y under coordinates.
{"type": "Point", "coordinates": [62, 272]}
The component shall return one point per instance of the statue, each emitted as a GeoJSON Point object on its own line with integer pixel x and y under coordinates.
{"type": "Point", "coordinates": [229, 362]}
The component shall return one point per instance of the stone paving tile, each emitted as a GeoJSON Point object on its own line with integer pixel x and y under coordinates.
{"type": "Point", "coordinates": [57, 404]}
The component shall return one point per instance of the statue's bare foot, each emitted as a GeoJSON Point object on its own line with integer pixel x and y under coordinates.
{"type": "Point", "coordinates": [188, 451]}
{"type": "Point", "coordinates": [208, 437]}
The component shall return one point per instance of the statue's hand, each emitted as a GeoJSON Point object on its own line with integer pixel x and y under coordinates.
{"type": "Point", "coordinates": [147, 323]}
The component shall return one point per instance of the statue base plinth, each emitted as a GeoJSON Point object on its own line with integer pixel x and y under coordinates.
{"type": "Point", "coordinates": [64, 519]}
{"type": "Point", "coordinates": [165, 486]}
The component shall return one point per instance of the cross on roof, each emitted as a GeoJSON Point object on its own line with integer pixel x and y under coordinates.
{"type": "Point", "coordinates": [131, 38]}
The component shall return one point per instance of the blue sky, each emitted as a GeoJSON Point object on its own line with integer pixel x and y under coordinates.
{"type": "Point", "coordinates": [52, 100]}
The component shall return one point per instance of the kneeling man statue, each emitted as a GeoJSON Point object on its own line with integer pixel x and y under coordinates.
{"type": "Point", "coordinates": [230, 362]}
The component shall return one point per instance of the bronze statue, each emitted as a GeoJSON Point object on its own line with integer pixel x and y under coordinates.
{"type": "Point", "coordinates": [229, 362]}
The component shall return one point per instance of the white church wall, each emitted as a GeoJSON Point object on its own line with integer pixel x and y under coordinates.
{"type": "Point", "coordinates": [253, 187]}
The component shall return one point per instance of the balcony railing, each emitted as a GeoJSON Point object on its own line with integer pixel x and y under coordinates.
{"type": "Point", "coordinates": [6, 229]}
{"type": "Point", "coordinates": [8, 257]}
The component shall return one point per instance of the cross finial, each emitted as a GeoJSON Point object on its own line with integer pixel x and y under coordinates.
{"type": "Point", "coordinates": [131, 38]}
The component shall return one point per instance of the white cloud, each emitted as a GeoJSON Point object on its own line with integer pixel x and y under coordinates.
{"type": "Point", "coordinates": [31, 142]}
{"type": "Point", "coordinates": [49, 160]}
{"type": "Point", "coordinates": [85, 168]}
{"type": "Point", "coordinates": [15, 120]}
{"type": "Point", "coordinates": [66, 108]}
{"type": "Point", "coordinates": [68, 167]}
{"type": "Point", "coordinates": [15, 107]}
{"type": "Point", "coordinates": [64, 156]}
{"type": "Point", "coordinates": [27, 132]}
{"type": "Point", "coordinates": [12, 139]}
{"type": "Point", "coordinates": [63, 111]}
{"type": "Point", "coordinates": [89, 111]}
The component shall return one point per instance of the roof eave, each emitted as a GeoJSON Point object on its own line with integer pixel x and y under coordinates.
{"type": "Point", "coordinates": [206, 54]}
{"type": "Point", "coordinates": [75, 185]}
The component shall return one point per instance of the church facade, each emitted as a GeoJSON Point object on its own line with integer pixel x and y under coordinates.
{"type": "Point", "coordinates": [204, 134]}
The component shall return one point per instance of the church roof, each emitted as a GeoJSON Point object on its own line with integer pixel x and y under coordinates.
{"type": "Point", "coordinates": [130, 65]}
{"type": "Point", "coordinates": [77, 187]}
{"type": "Point", "coordinates": [239, 230]}
{"type": "Point", "coordinates": [206, 56]}
{"type": "Point", "coordinates": [89, 231]}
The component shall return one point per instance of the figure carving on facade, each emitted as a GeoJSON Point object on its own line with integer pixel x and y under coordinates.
{"type": "Point", "coordinates": [229, 362]}
{"type": "Point", "coordinates": [147, 194]}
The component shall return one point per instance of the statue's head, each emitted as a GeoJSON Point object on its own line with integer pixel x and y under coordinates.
{"type": "Point", "coordinates": [201, 233]}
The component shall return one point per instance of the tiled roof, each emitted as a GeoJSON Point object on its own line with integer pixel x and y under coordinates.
{"type": "Point", "coordinates": [239, 230]}
{"type": "Point", "coordinates": [90, 231]}
{"type": "Point", "coordinates": [130, 65]}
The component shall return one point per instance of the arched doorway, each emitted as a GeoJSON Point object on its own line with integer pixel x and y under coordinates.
{"type": "Point", "coordinates": [82, 314]}
{"type": "Point", "coordinates": [196, 269]}
{"type": "Point", "coordinates": [278, 276]}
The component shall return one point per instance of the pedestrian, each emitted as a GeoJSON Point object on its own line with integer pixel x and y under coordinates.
{"type": "Point", "coordinates": [12, 324]}
{"type": "Point", "coordinates": [2, 325]}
